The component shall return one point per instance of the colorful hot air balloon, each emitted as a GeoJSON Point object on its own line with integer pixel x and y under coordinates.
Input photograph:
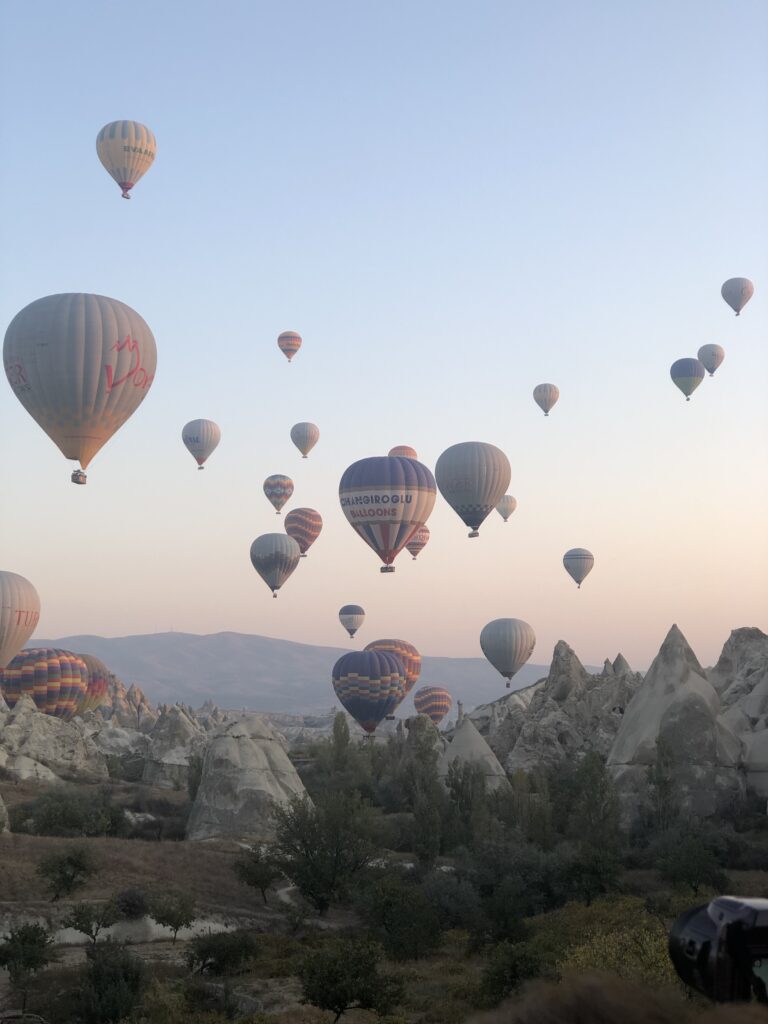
{"type": "Point", "coordinates": [201, 438]}
{"type": "Point", "coordinates": [274, 556]}
{"type": "Point", "coordinates": [80, 365]}
{"type": "Point", "coordinates": [305, 436]}
{"type": "Point", "coordinates": [386, 499]}
{"type": "Point", "coordinates": [506, 507]}
{"type": "Point", "coordinates": [578, 564]}
{"type": "Point", "coordinates": [19, 612]}
{"type": "Point", "coordinates": [507, 644]}
{"type": "Point", "coordinates": [370, 685]}
{"type": "Point", "coordinates": [278, 489]}
{"type": "Point", "coordinates": [408, 655]}
{"type": "Point", "coordinates": [351, 616]}
{"type": "Point", "coordinates": [418, 541]}
{"type": "Point", "coordinates": [289, 343]}
{"type": "Point", "coordinates": [545, 396]}
{"type": "Point", "coordinates": [434, 702]}
{"type": "Point", "coordinates": [737, 291]}
{"type": "Point", "coordinates": [472, 477]}
{"type": "Point", "coordinates": [687, 374]}
{"type": "Point", "coordinates": [127, 150]}
{"type": "Point", "coordinates": [98, 683]}
{"type": "Point", "coordinates": [404, 450]}
{"type": "Point", "coordinates": [304, 525]}
{"type": "Point", "coordinates": [56, 680]}
{"type": "Point", "coordinates": [710, 357]}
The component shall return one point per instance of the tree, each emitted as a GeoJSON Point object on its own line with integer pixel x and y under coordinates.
{"type": "Point", "coordinates": [257, 869]}
{"type": "Point", "coordinates": [688, 858]}
{"type": "Point", "coordinates": [468, 809]}
{"type": "Point", "coordinates": [113, 983]}
{"type": "Point", "coordinates": [132, 904]}
{"type": "Point", "coordinates": [593, 872]}
{"type": "Point", "coordinates": [24, 951]}
{"type": "Point", "coordinates": [594, 816]}
{"type": "Point", "coordinates": [221, 953]}
{"type": "Point", "coordinates": [66, 872]}
{"type": "Point", "coordinates": [174, 910]}
{"type": "Point", "coordinates": [344, 974]}
{"type": "Point", "coordinates": [319, 848]}
{"type": "Point", "coordinates": [665, 802]}
{"type": "Point", "coordinates": [194, 775]}
{"type": "Point", "coordinates": [508, 966]}
{"type": "Point", "coordinates": [92, 918]}
{"type": "Point", "coordinates": [402, 916]}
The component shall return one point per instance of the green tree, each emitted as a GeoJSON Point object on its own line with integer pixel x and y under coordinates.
{"type": "Point", "coordinates": [70, 812]}
{"type": "Point", "coordinates": [665, 801]}
{"type": "Point", "coordinates": [593, 872]}
{"type": "Point", "coordinates": [468, 806]}
{"type": "Point", "coordinates": [174, 910]}
{"type": "Point", "coordinates": [594, 816]}
{"type": "Point", "coordinates": [222, 952]}
{"type": "Point", "coordinates": [508, 966]}
{"type": "Point", "coordinates": [92, 918]}
{"type": "Point", "coordinates": [113, 984]}
{"type": "Point", "coordinates": [688, 858]}
{"type": "Point", "coordinates": [321, 847]}
{"type": "Point", "coordinates": [257, 869]}
{"type": "Point", "coordinates": [344, 974]}
{"type": "Point", "coordinates": [401, 916]}
{"type": "Point", "coordinates": [64, 873]}
{"type": "Point", "coordinates": [24, 951]}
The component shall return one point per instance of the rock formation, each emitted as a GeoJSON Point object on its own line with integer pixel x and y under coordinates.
{"type": "Point", "coordinates": [38, 746]}
{"type": "Point", "coordinates": [4, 826]}
{"type": "Point", "coordinates": [469, 746]}
{"type": "Point", "coordinates": [174, 739]}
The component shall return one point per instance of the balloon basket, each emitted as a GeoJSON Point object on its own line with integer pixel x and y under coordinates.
{"type": "Point", "coordinates": [474, 533]}
{"type": "Point", "coordinates": [387, 568]}
{"type": "Point", "coordinates": [303, 555]}
{"type": "Point", "coordinates": [78, 477]}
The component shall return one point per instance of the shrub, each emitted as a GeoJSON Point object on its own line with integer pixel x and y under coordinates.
{"type": "Point", "coordinates": [221, 953]}
{"type": "Point", "coordinates": [637, 951]}
{"type": "Point", "coordinates": [401, 916]}
{"type": "Point", "coordinates": [24, 951]}
{"type": "Point", "coordinates": [92, 918]}
{"type": "Point", "coordinates": [456, 901]}
{"type": "Point", "coordinates": [70, 813]}
{"type": "Point", "coordinates": [508, 966]}
{"type": "Point", "coordinates": [113, 984]}
{"type": "Point", "coordinates": [257, 869]}
{"type": "Point", "coordinates": [343, 974]}
{"type": "Point", "coordinates": [133, 904]}
{"type": "Point", "coordinates": [174, 910]}
{"type": "Point", "coordinates": [66, 872]}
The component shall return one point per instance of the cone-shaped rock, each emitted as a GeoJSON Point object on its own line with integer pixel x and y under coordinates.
{"type": "Point", "coordinates": [468, 745]}
{"type": "Point", "coordinates": [175, 737]}
{"type": "Point", "coordinates": [621, 666]}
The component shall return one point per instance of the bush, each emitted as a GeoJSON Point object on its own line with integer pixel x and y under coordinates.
{"type": "Point", "coordinates": [24, 951]}
{"type": "Point", "coordinates": [509, 965]}
{"type": "Point", "coordinates": [133, 904]}
{"type": "Point", "coordinates": [344, 974]}
{"type": "Point", "coordinates": [92, 918]}
{"type": "Point", "coordinates": [257, 869]}
{"type": "Point", "coordinates": [66, 872]}
{"type": "Point", "coordinates": [221, 953]}
{"type": "Point", "coordinates": [174, 910]}
{"type": "Point", "coordinates": [113, 984]}
{"type": "Point", "coordinates": [70, 813]}
{"type": "Point", "coordinates": [637, 952]}
{"type": "Point", "coordinates": [401, 916]}
{"type": "Point", "coordinates": [455, 900]}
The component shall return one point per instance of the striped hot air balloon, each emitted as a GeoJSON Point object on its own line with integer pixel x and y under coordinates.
{"type": "Point", "coordinates": [710, 357]}
{"type": "Point", "coordinates": [201, 438]}
{"type": "Point", "coordinates": [418, 541]}
{"type": "Point", "coordinates": [274, 556]}
{"type": "Point", "coordinates": [507, 644]}
{"type": "Point", "coordinates": [351, 616]}
{"type": "Point", "coordinates": [289, 343]}
{"type": "Point", "coordinates": [305, 436]}
{"type": "Point", "coordinates": [370, 685]}
{"type": "Point", "coordinates": [56, 680]}
{"type": "Point", "coordinates": [578, 564]}
{"type": "Point", "coordinates": [278, 489]}
{"type": "Point", "coordinates": [386, 499]}
{"type": "Point", "coordinates": [19, 614]}
{"type": "Point", "coordinates": [687, 374]}
{"type": "Point", "coordinates": [433, 701]}
{"type": "Point", "coordinates": [408, 655]}
{"type": "Point", "coordinates": [472, 477]}
{"type": "Point", "coordinates": [737, 291]}
{"type": "Point", "coordinates": [304, 525]}
{"type": "Point", "coordinates": [404, 450]}
{"type": "Point", "coordinates": [127, 150]}
{"type": "Point", "coordinates": [506, 506]}
{"type": "Point", "coordinates": [545, 396]}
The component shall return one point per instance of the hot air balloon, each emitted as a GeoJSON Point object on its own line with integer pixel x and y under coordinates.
{"type": "Point", "coordinates": [278, 489]}
{"type": "Point", "coordinates": [19, 612]}
{"type": "Point", "coordinates": [56, 680]}
{"type": "Point", "coordinates": [507, 644]}
{"type": "Point", "coordinates": [274, 556]}
{"type": "Point", "coordinates": [687, 374]}
{"type": "Point", "coordinates": [545, 396]}
{"type": "Point", "coordinates": [98, 683]}
{"type": "Point", "coordinates": [351, 616]}
{"type": "Point", "coordinates": [304, 525]}
{"type": "Point", "coordinates": [127, 150]}
{"type": "Point", "coordinates": [370, 685]}
{"type": "Point", "coordinates": [433, 701]}
{"type": "Point", "coordinates": [710, 357]}
{"type": "Point", "coordinates": [386, 499]}
{"type": "Point", "coordinates": [506, 507]}
{"type": "Point", "coordinates": [408, 655]}
{"type": "Point", "coordinates": [737, 291]}
{"type": "Point", "coordinates": [403, 450]}
{"type": "Point", "coordinates": [472, 477]}
{"type": "Point", "coordinates": [578, 564]}
{"type": "Point", "coordinates": [305, 436]}
{"type": "Point", "coordinates": [201, 438]}
{"type": "Point", "coordinates": [418, 541]}
{"type": "Point", "coordinates": [289, 343]}
{"type": "Point", "coordinates": [80, 365]}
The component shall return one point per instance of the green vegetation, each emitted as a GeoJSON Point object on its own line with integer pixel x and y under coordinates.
{"type": "Point", "coordinates": [70, 812]}
{"type": "Point", "coordinates": [257, 868]}
{"type": "Point", "coordinates": [221, 953]}
{"type": "Point", "coordinates": [345, 974]}
{"type": "Point", "coordinates": [23, 952]}
{"type": "Point", "coordinates": [174, 910]}
{"type": "Point", "coordinates": [65, 873]}
{"type": "Point", "coordinates": [92, 918]}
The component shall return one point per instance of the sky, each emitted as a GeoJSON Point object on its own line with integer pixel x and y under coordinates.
{"type": "Point", "coordinates": [451, 203]}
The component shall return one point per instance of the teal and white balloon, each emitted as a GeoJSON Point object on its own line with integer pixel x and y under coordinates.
{"type": "Point", "coordinates": [545, 396]}
{"type": "Point", "coordinates": [710, 357]}
{"type": "Point", "coordinates": [201, 438]}
{"type": "Point", "coordinates": [274, 556]}
{"type": "Point", "coordinates": [737, 291]}
{"type": "Point", "coordinates": [472, 477]}
{"type": "Point", "coordinates": [506, 507]}
{"type": "Point", "coordinates": [305, 436]}
{"type": "Point", "coordinates": [507, 644]}
{"type": "Point", "coordinates": [687, 374]}
{"type": "Point", "coordinates": [578, 564]}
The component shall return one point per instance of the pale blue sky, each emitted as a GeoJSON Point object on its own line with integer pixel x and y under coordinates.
{"type": "Point", "coordinates": [452, 202]}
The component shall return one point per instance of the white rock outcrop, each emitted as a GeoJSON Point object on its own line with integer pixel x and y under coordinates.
{"type": "Point", "coordinates": [174, 739]}
{"type": "Point", "coordinates": [38, 746]}
{"type": "Point", "coordinates": [469, 746]}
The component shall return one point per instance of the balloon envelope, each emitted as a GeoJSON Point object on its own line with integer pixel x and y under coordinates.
{"type": "Point", "coordinates": [418, 541]}
{"type": "Point", "coordinates": [506, 506]}
{"type": "Point", "coordinates": [386, 499]}
{"type": "Point", "coordinates": [351, 616]}
{"type": "Point", "coordinates": [545, 396]}
{"type": "Point", "coordinates": [408, 655]}
{"type": "Point", "coordinates": [369, 684]}
{"type": "Point", "coordinates": [289, 343]}
{"type": "Point", "coordinates": [98, 683]}
{"type": "Point", "coordinates": [80, 365]}
{"type": "Point", "coordinates": [578, 564]}
{"type": "Point", "coordinates": [127, 150]}
{"type": "Point", "coordinates": [19, 612]}
{"type": "Point", "coordinates": [472, 477]}
{"type": "Point", "coordinates": [278, 489]}
{"type": "Point", "coordinates": [687, 374]}
{"type": "Point", "coordinates": [304, 525]}
{"type": "Point", "coordinates": [433, 701]}
{"type": "Point", "coordinates": [305, 436]}
{"type": "Point", "coordinates": [507, 644]}
{"type": "Point", "coordinates": [404, 450]}
{"type": "Point", "coordinates": [56, 680]}
{"type": "Point", "coordinates": [274, 556]}
{"type": "Point", "coordinates": [737, 291]}
{"type": "Point", "coordinates": [201, 438]}
{"type": "Point", "coordinates": [710, 357]}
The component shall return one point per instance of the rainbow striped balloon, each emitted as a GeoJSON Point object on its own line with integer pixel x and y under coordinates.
{"type": "Point", "coordinates": [56, 680]}
{"type": "Point", "coordinates": [370, 685]}
{"type": "Point", "coordinates": [408, 655]}
{"type": "Point", "coordinates": [98, 683]}
{"type": "Point", "coordinates": [434, 702]}
{"type": "Point", "coordinates": [278, 489]}
{"type": "Point", "coordinates": [289, 343]}
{"type": "Point", "coordinates": [418, 541]}
{"type": "Point", "coordinates": [304, 525]}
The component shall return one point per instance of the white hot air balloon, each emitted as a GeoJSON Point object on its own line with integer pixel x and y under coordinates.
{"type": "Point", "coordinates": [737, 291]}
{"type": "Point", "coordinates": [507, 644]}
{"type": "Point", "coordinates": [274, 556]}
{"type": "Point", "coordinates": [201, 438]}
{"type": "Point", "coordinates": [351, 616]}
{"type": "Point", "coordinates": [711, 356]}
{"type": "Point", "coordinates": [506, 507]}
{"type": "Point", "coordinates": [578, 564]}
{"type": "Point", "coordinates": [127, 150]}
{"type": "Point", "coordinates": [305, 436]}
{"type": "Point", "coordinates": [472, 477]}
{"type": "Point", "coordinates": [19, 612]}
{"type": "Point", "coordinates": [80, 365]}
{"type": "Point", "coordinates": [545, 396]}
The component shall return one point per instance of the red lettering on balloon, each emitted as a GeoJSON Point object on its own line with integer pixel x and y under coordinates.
{"type": "Point", "coordinates": [136, 373]}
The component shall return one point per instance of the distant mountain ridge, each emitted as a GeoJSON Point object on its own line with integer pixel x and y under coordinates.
{"type": "Point", "coordinates": [240, 670]}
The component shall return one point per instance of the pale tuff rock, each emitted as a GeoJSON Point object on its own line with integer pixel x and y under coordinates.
{"type": "Point", "coordinates": [741, 674]}
{"type": "Point", "coordinates": [34, 745]}
{"type": "Point", "coordinates": [607, 668]}
{"type": "Point", "coordinates": [488, 718]}
{"type": "Point", "coordinates": [245, 772]}
{"type": "Point", "coordinates": [4, 709]}
{"type": "Point", "coordinates": [621, 666]}
{"type": "Point", "coordinates": [4, 824]}
{"type": "Point", "coordinates": [420, 729]}
{"type": "Point", "coordinates": [128, 707]}
{"type": "Point", "coordinates": [176, 736]}
{"type": "Point", "coordinates": [756, 762]}
{"type": "Point", "coordinates": [469, 746]}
